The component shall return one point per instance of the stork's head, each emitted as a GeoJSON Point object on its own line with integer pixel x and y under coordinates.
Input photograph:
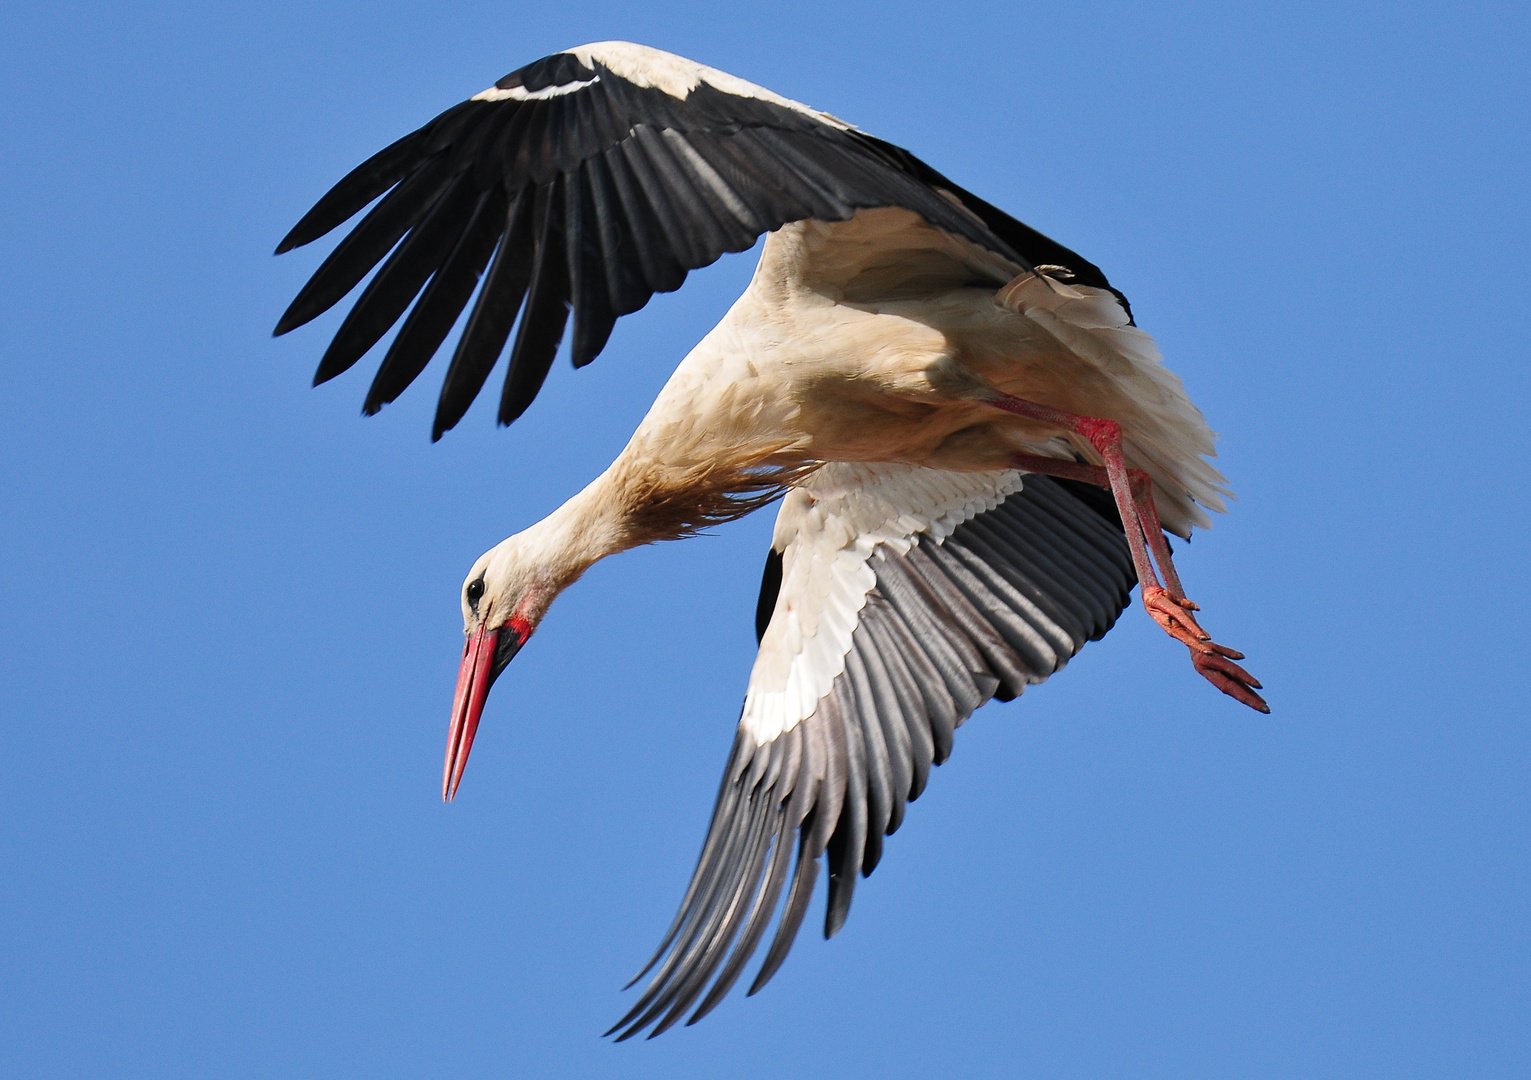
{"type": "Point", "coordinates": [507, 593]}
{"type": "Point", "coordinates": [503, 599]}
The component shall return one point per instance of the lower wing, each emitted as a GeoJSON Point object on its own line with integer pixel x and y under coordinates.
{"type": "Point", "coordinates": [905, 599]}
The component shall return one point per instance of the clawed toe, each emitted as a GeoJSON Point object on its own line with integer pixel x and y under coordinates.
{"type": "Point", "coordinates": [1215, 662]}
{"type": "Point", "coordinates": [1223, 650]}
{"type": "Point", "coordinates": [1216, 667]}
{"type": "Point", "coordinates": [1174, 617]}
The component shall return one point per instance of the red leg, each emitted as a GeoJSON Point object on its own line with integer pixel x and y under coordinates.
{"type": "Point", "coordinates": [1133, 491]}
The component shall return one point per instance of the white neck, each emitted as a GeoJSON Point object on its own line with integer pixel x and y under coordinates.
{"type": "Point", "coordinates": [573, 538]}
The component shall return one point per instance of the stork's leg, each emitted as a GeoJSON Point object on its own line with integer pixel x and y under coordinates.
{"type": "Point", "coordinates": [1166, 603]}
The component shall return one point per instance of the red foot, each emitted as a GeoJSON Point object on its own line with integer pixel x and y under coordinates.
{"type": "Point", "coordinates": [1174, 616]}
{"type": "Point", "coordinates": [1218, 668]}
{"type": "Point", "coordinates": [1214, 662]}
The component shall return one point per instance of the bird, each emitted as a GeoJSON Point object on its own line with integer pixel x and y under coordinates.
{"type": "Point", "coordinates": [976, 450]}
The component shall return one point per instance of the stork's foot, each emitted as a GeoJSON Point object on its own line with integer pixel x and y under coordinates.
{"type": "Point", "coordinates": [1133, 491]}
{"type": "Point", "coordinates": [1216, 664]}
{"type": "Point", "coordinates": [1173, 614]}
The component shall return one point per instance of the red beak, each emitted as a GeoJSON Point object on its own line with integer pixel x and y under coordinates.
{"type": "Point", "coordinates": [473, 679]}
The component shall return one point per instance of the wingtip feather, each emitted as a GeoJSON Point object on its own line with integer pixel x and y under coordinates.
{"type": "Point", "coordinates": [287, 323]}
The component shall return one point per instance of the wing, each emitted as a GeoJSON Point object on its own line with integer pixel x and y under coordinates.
{"type": "Point", "coordinates": [591, 180]}
{"type": "Point", "coordinates": [904, 599]}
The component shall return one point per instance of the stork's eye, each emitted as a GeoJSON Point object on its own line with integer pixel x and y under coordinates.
{"type": "Point", "coordinates": [475, 590]}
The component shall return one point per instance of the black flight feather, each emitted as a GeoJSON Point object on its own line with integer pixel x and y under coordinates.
{"type": "Point", "coordinates": [360, 251]}
{"type": "Point", "coordinates": [493, 315]}
{"type": "Point", "coordinates": [547, 311]}
{"type": "Point", "coordinates": [439, 306]}
{"type": "Point", "coordinates": [399, 280]}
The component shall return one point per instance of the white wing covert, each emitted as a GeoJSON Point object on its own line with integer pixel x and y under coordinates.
{"type": "Point", "coordinates": [904, 598]}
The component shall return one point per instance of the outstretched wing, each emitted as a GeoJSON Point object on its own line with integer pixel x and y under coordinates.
{"type": "Point", "coordinates": [592, 179]}
{"type": "Point", "coordinates": [904, 599]}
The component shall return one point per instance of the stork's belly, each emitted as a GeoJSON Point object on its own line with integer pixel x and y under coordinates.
{"type": "Point", "coordinates": [800, 381]}
{"type": "Point", "coordinates": [902, 382]}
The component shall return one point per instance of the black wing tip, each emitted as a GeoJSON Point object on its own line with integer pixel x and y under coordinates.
{"type": "Point", "coordinates": [507, 416]}
{"type": "Point", "coordinates": [584, 355]}
{"type": "Point", "coordinates": [706, 1007]}
{"type": "Point", "coordinates": [307, 230]}
{"type": "Point", "coordinates": [332, 365]}
{"type": "Point", "coordinates": [630, 983]}
{"type": "Point", "coordinates": [838, 909]}
{"type": "Point", "coordinates": [444, 422]}
{"type": "Point", "coordinates": [441, 424]}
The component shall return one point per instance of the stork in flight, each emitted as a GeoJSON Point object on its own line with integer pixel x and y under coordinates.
{"type": "Point", "coordinates": [941, 396]}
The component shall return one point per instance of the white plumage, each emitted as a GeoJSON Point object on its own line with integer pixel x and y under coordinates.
{"type": "Point", "coordinates": [826, 530]}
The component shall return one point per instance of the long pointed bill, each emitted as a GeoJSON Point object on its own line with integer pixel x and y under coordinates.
{"type": "Point", "coordinates": [473, 679]}
{"type": "Point", "coordinates": [483, 658]}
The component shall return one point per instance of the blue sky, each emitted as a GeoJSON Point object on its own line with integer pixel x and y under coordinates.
{"type": "Point", "coordinates": [229, 626]}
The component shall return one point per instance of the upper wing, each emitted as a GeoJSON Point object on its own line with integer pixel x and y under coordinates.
{"type": "Point", "coordinates": [904, 598]}
{"type": "Point", "coordinates": [592, 179]}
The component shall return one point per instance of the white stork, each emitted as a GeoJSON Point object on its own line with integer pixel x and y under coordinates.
{"type": "Point", "coordinates": [943, 396]}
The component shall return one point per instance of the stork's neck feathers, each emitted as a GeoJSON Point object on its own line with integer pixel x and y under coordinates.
{"type": "Point", "coordinates": [576, 536]}
{"type": "Point", "coordinates": [717, 443]}
{"type": "Point", "coordinates": [712, 448]}
{"type": "Point", "coordinates": [640, 500]}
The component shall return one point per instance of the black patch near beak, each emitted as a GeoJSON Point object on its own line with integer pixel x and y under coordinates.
{"type": "Point", "coordinates": [512, 636]}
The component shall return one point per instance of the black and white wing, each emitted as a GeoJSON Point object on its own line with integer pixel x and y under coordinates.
{"type": "Point", "coordinates": [591, 180]}
{"type": "Point", "coordinates": [896, 600]}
